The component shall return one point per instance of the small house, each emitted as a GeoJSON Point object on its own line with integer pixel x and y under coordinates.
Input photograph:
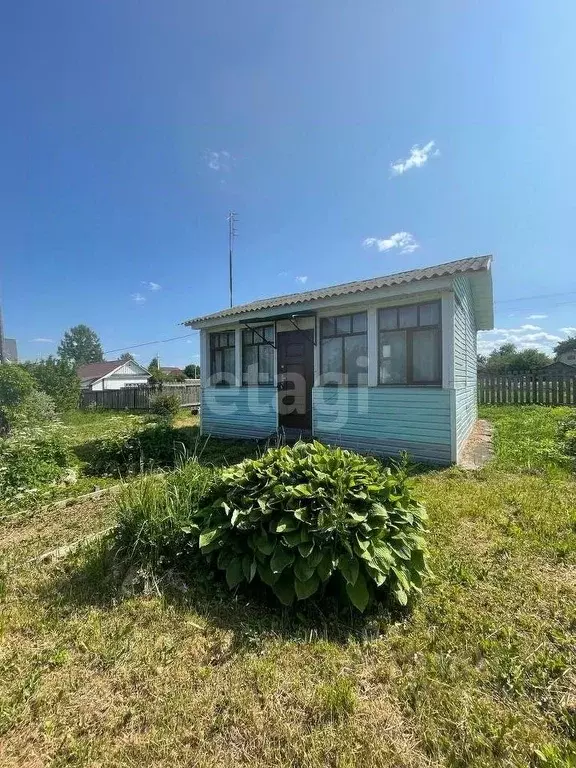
{"type": "Point", "coordinates": [112, 374]}
{"type": "Point", "coordinates": [381, 365]}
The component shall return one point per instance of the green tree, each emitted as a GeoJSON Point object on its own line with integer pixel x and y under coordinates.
{"type": "Point", "coordinates": [81, 345]}
{"type": "Point", "coordinates": [58, 379]}
{"type": "Point", "coordinates": [508, 359]}
{"type": "Point", "coordinates": [192, 371]}
{"type": "Point", "coordinates": [156, 375]}
{"type": "Point", "coordinates": [126, 356]}
{"type": "Point", "coordinates": [566, 345]}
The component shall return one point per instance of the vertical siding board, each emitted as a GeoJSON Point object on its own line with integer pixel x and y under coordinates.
{"type": "Point", "coordinates": [465, 361]}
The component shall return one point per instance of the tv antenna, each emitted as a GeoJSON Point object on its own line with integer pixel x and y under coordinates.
{"type": "Point", "coordinates": [231, 235]}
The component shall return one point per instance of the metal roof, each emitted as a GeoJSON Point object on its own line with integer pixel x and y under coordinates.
{"type": "Point", "coordinates": [476, 264]}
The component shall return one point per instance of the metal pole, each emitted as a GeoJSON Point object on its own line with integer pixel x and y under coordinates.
{"type": "Point", "coordinates": [231, 235]}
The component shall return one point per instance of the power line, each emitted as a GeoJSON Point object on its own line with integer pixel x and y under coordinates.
{"type": "Point", "coordinates": [148, 343]}
{"type": "Point", "coordinates": [541, 296]}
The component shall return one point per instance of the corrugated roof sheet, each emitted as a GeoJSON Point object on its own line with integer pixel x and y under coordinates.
{"type": "Point", "coordinates": [476, 264]}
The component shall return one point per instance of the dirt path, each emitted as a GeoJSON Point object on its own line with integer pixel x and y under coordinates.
{"type": "Point", "coordinates": [31, 536]}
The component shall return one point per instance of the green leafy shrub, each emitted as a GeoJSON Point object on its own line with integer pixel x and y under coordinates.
{"type": "Point", "coordinates": [165, 406]}
{"type": "Point", "coordinates": [155, 527]}
{"type": "Point", "coordinates": [567, 436]}
{"type": "Point", "coordinates": [30, 458]}
{"type": "Point", "coordinates": [138, 449]}
{"type": "Point", "coordinates": [58, 379]}
{"type": "Point", "coordinates": [16, 385]}
{"type": "Point", "coordinates": [301, 517]}
{"type": "Point", "coordinates": [35, 410]}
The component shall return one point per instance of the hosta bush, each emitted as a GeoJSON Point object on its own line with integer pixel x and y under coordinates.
{"type": "Point", "coordinates": [30, 458]}
{"type": "Point", "coordinates": [301, 518]}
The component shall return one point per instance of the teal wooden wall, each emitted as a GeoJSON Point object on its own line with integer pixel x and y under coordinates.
{"type": "Point", "coordinates": [242, 412]}
{"type": "Point", "coordinates": [385, 420]}
{"type": "Point", "coordinates": [465, 363]}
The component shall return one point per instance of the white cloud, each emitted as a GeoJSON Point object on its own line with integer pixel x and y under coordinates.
{"type": "Point", "coordinates": [525, 337]}
{"type": "Point", "coordinates": [283, 274]}
{"type": "Point", "coordinates": [41, 340]}
{"type": "Point", "coordinates": [302, 279]}
{"type": "Point", "coordinates": [151, 286]}
{"type": "Point", "coordinates": [569, 330]}
{"type": "Point", "coordinates": [402, 240]}
{"type": "Point", "coordinates": [536, 317]}
{"type": "Point", "coordinates": [218, 161]}
{"type": "Point", "coordinates": [417, 158]}
{"type": "Point", "coordinates": [138, 298]}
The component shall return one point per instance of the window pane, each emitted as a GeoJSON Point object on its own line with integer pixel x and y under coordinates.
{"type": "Point", "coordinates": [266, 372]}
{"type": "Point", "coordinates": [425, 355]}
{"type": "Point", "coordinates": [213, 340]}
{"type": "Point", "coordinates": [331, 356]}
{"type": "Point", "coordinates": [328, 327]}
{"type": "Point", "coordinates": [359, 322]}
{"type": "Point", "coordinates": [408, 316]}
{"type": "Point", "coordinates": [430, 314]}
{"type": "Point", "coordinates": [231, 339]}
{"type": "Point", "coordinates": [388, 319]}
{"type": "Point", "coordinates": [229, 361]}
{"type": "Point", "coordinates": [393, 358]}
{"type": "Point", "coordinates": [247, 337]}
{"type": "Point", "coordinates": [269, 333]}
{"type": "Point", "coordinates": [343, 324]}
{"type": "Point", "coordinates": [250, 365]}
{"type": "Point", "coordinates": [356, 354]}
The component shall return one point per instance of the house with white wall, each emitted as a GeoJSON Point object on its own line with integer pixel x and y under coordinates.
{"type": "Point", "coordinates": [112, 374]}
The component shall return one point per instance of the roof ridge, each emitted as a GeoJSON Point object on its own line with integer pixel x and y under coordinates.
{"type": "Point", "coordinates": [472, 263]}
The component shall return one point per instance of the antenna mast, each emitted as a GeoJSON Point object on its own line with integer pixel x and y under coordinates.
{"type": "Point", "coordinates": [231, 235]}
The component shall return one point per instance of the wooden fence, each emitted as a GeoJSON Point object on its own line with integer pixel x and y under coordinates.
{"type": "Point", "coordinates": [138, 398]}
{"type": "Point", "coordinates": [527, 388]}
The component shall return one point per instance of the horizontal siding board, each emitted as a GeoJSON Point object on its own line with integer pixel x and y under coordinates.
{"type": "Point", "coordinates": [385, 421]}
{"type": "Point", "coordinates": [246, 412]}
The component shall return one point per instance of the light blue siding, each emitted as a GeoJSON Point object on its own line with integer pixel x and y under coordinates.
{"type": "Point", "coordinates": [242, 412]}
{"type": "Point", "coordinates": [465, 365]}
{"type": "Point", "coordinates": [385, 420]}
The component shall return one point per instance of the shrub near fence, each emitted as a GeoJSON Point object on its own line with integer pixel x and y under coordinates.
{"type": "Point", "coordinates": [139, 398]}
{"type": "Point", "coordinates": [527, 389]}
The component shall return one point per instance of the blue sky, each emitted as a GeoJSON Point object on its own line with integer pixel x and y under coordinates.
{"type": "Point", "coordinates": [130, 129]}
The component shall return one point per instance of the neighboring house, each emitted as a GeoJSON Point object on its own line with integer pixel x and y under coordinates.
{"type": "Point", "coordinates": [379, 365]}
{"type": "Point", "coordinates": [558, 368]}
{"type": "Point", "coordinates": [568, 357]}
{"type": "Point", "coordinates": [173, 371]}
{"type": "Point", "coordinates": [112, 374]}
{"type": "Point", "coordinates": [10, 350]}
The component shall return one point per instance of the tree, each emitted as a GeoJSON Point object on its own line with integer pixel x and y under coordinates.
{"type": "Point", "coordinates": [156, 375]}
{"type": "Point", "coordinates": [81, 345]}
{"type": "Point", "coordinates": [192, 371]}
{"type": "Point", "coordinates": [58, 379]}
{"type": "Point", "coordinates": [566, 345]}
{"type": "Point", "coordinates": [508, 359]}
{"type": "Point", "coordinates": [125, 356]}
{"type": "Point", "coordinates": [153, 364]}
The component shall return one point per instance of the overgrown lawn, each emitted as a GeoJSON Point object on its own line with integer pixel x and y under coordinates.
{"type": "Point", "coordinates": [481, 673]}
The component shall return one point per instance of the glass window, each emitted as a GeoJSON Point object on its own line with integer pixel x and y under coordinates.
{"type": "Point", "coordinates": [429, 314]}
{"type": "Point", "coordinates": [408, 317]}
{"type": "Point", "coordinates": [425, 355]}
{"type": "Point", "coordinates": [222, 359]}
{"type": "Point", "coordinates": [393, 357]}
{"type": "Point", "coordinates": [388, 319]}
{"type": "Point", "coordinates": [413, 353]}
{"type": "Point", "coordinates": [258, 356]}
{"type": "Point", "coordinates": [344, 350]}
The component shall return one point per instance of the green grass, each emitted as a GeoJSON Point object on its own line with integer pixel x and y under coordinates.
{"type": "Point", "coordinates": [481, 673]}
